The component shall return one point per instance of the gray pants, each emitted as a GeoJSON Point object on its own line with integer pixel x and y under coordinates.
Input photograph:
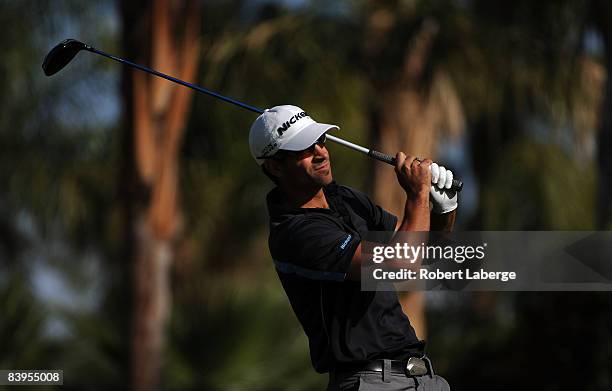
{"type": "Point", "coordinates": [372, 381]}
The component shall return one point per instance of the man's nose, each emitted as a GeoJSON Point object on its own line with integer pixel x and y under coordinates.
{"type": "Point", "coordinates": [320, 150]}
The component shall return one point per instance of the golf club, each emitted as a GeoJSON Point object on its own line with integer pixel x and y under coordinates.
{"type": "Point", "coordinates": [65, 51]}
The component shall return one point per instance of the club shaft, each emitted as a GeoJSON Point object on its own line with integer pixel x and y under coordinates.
{"type": "Point", "coordinates": [348, 144]}
{"type": "Point", "coordinates": [174, 79]}
{"type": "Point", "coordinates": [457, 185]}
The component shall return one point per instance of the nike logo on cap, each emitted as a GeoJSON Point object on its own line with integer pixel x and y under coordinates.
{"type": "Point", "coordinates": [291, 121]}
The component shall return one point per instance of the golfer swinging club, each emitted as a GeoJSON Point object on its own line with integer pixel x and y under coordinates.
{"type": "Point", "coordinates": [362, 339]}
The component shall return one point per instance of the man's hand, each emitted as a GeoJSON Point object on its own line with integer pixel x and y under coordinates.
{"type": "Point", "coordinates": [443, 199]}
{"type": "Point", "coordinates": [413, 175]}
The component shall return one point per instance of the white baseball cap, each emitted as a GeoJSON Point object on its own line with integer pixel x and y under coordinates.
{"type": "Point", "coordinates": [284, 127]}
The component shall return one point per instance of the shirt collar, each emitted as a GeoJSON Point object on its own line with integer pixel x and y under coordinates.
{"type": "Point", "coordinates": [276, 206]}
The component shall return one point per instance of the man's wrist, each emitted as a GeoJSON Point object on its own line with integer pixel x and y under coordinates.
{"type": "Point", "coordinates": [437, 209]}
{"type": "Point", "coordinates": [418, 198]}
{"type": "Point", "coordinates": [443, 222]}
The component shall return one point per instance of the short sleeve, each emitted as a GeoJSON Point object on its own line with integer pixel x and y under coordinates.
{"type": "Point", "coordinates": [378, 218]}
{"type": "Point", "coordinates": [315, 247]}
{"type": "Point", "coordinates": [383, 220]}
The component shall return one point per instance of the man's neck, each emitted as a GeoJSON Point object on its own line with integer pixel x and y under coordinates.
{"type": "Point", "coordinates": [311, 198]}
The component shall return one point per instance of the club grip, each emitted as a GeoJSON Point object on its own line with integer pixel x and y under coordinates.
{"type": "Point", "coordinates": [383, 157]}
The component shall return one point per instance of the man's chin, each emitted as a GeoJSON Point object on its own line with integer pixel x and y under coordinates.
{"type": "Point", "coordinates": [325, 178]}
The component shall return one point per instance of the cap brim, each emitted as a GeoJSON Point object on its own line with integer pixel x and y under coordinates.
{"type": "Point", "coordinates": [307, 136]}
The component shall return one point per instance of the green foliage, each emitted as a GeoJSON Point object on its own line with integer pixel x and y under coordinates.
{"type": "Point", "coordinates": [57, 192]}
{"type": "Point", "coordinates": [539, 187]}
{"type": "Point", "coordinates": [227, 341]}
{"type": "Point", "coordinates": [21, 326]}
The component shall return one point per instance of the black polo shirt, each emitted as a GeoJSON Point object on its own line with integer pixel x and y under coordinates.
{"type": "Point", "coordinates": [312, 249]}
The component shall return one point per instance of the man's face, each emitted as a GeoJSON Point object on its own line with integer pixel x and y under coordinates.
{"type": "Point", "coordinates": [305, 169]}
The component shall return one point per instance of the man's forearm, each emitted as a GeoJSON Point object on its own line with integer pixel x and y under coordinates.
{"type": "Point", "coordinates": [416, 214]}
{"type": "Point", "coordinates": [443, 222]}
{"type": "Point", "coordinates": [418, 218]}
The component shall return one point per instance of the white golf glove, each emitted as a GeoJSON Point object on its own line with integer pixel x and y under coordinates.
{"type": "Point", "coordinates": [444, 199]}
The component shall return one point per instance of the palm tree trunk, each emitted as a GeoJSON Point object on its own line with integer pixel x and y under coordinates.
{"type": "Point", "coordinates": [404, 125]}
{"type": "Point", "coordinates": [412, 112]}
{"type": "Point", "coordinates": [156, 112]}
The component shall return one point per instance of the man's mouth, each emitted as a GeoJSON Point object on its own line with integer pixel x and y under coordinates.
{"type": "Point", "coordinates": [322, 166]}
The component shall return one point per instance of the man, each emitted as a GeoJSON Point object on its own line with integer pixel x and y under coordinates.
{"type": "Point", "coordinates": [363, 339]}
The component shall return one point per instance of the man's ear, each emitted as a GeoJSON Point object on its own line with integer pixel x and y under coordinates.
{"type": "Point", "coordinates": [273, 167]}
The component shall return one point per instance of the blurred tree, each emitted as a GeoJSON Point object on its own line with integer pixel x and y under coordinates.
{"type": "Point", "coordinates": [58, 202]}
{"type": "Point", "coordinates": [532, 95]}
{"type": "Point", "coordinates": [163, 34]}
{"type": "Point", "coordinates": [546, 92]}
{"type": "Point", "coordinates": [227, 294]}
{"type": "Point", "coordinates": [413, 102]}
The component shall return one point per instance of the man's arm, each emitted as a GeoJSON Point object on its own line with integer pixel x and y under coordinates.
{"type": "Point", "coordinates": [443, 222]}
{"type": "Point", "coordinates": [438, 222]}
{"type": "Point", "coordinates": [415, 178]}
{"type": "Point", "coordinates": [444, 200]}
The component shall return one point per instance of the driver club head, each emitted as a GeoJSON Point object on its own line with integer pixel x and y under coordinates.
{"type": "Point", "coordinates": [61, 55]}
